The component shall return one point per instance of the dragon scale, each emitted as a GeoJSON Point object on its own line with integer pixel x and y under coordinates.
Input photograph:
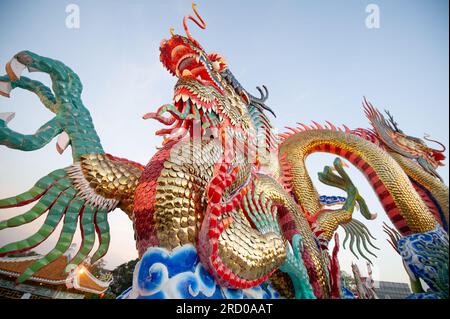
{"type": "Point", "coordinates": [438, 191]}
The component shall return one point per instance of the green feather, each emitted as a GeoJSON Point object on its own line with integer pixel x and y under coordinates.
{"type": "Point", "coordinates": [64, 241]}
{"type": "Point", "coordinates": [87, 227]}
{"type": "Point", "coordinates": [52, 220]}
{"type": "Point", "coordinates": [38, 189]}
{"type": "Point", "coordinates": [40, 208]}
{"type": "Point", "coordinates": [102, 228]}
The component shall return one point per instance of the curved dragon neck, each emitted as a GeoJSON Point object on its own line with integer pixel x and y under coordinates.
{"type": "Point", "coordinates": [432, 190]}
{"type": "Point", "coordinates": [393, 187]}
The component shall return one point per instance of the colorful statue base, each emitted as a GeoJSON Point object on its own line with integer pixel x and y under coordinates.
{"type": "Point", "coordinates": [178, 274]}
{"type": "Point", "coordinates": [426, 257]}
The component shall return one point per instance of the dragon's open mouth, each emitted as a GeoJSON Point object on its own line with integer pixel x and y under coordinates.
{"type": "Point", "coordinates": [200, 103]}
{"type": "Point", "coordinates": [194, 111]}
{"type": "Point", "coordinates": [198, 110]}
{"type": "Point", "coordinates": [194, 66]}
{"type": "Point", "coordinates": [184, 60]}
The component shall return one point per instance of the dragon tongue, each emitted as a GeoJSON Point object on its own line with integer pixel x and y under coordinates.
{"type": "Point", "coordinates": [14, 69]}
{"type": "Point", "coordinates": [186, 73]}
{"type": "Point", "coordinates": [5, 88]}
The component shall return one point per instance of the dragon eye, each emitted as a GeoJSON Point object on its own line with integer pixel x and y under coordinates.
{"type": "Point", "coordinates": [216, 65]}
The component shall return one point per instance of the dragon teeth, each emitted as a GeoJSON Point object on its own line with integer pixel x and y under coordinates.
{"type": "Point", "coordinates": [185, 97]}
{"type": "Point", "coordinates": [177, 98]}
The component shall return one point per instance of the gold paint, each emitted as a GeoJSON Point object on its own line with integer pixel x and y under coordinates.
{"type": "Point", "coordinates": [274, 191]}
{"type": "Point", "coordinates": [438, 189]}
{"type": "Point", "coordinates": [112, 178]}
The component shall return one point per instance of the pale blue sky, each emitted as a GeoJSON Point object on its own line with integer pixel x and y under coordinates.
{"type": "Point", "coordinates": [317, 58]}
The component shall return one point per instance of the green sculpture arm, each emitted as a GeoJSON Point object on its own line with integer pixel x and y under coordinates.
{"type": "Point", "coordinates": [45, 133]}
{"type": "Point", "coordinates": [58, 193]}
{"type": "Point", "coordinates": [296, 269]}
{"type": "Point", "coordinates": [43, 92]}
{"type": "Point", "coordinates": [329, 220]}
{"type": "Point", "coordinates": [31, 142]}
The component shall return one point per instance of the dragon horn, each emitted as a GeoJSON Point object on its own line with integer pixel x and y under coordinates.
{"type": "Point", "coordinates": [201, 24]}
{"type": "Point", "coordinates": [426, 137]}
{"type": "Point", "coordinates": [264, 96]}
{"type": "Point", "coordinates": [392, 121]}
{"type": "Point", "coordinates": [265, 107]}
{"type": "Point", "coordinates": [259, 102]}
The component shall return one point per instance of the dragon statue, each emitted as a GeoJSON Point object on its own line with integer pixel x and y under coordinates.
{"type": "Point", "coordinates": [225, 208]}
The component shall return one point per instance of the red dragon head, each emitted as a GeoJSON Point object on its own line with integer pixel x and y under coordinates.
{"type": "Point", "coordinates": [206, 94]}
{"type": "Point", "coordinates": [185, 58]}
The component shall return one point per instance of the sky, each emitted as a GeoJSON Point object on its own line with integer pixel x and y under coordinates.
{"type": "Point", "coordinates": [318, 59]}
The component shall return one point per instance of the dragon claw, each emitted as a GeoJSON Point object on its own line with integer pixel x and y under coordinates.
{"type": "Point", "coordinates": [14, 69]}
{"type": "Point", "coordinates": [5, 88]}
{"type": "Point", "coordinates": [7, 116]}
{"type": "Point", "coordinates": [63, 142]}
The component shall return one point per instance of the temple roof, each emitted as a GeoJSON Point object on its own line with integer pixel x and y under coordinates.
{"type": "Point", "coordinates": [55, 274]}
